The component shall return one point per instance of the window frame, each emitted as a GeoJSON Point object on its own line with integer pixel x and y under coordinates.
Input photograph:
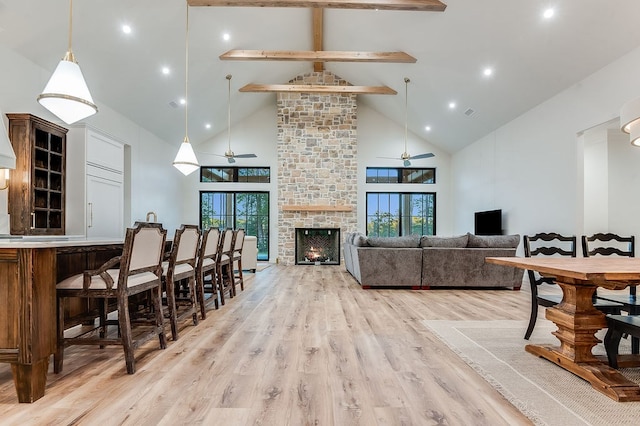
{"type": "Point", "coordinates": [234, 217]}
{"type": "Point", "coordinates": [236, 174]}
{"type": "Point", "coordinates": [400, 217]}
{"type": "Point", "coordinates": [399, 172]}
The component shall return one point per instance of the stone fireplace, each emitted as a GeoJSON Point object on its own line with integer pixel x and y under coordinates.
{"type": "Point", "coordinates": [317, 162]}
{"type": "Point", "coordinates": [317, 246]}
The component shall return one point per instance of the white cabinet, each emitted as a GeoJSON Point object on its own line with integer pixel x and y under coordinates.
{"type": "Point", "coordinates": [95, 184]}
{"type": "Point", "coordinates": [105, 204]}
{"type": "Point", "coordinates": [105, 189]}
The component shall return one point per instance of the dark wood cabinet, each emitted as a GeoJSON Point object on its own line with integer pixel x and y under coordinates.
{"type": "Point", "coordinates": [37, 185]}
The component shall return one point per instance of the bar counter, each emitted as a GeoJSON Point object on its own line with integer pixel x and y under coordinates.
{"type": "Point", "coordinates": [30, 267]}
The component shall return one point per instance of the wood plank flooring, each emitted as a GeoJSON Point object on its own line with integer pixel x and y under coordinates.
{"type": "Point", "coordinates": [302, 345]}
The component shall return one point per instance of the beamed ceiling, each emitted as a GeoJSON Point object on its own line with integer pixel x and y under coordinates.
{"type": "Point", "coordinates": [442, 47]}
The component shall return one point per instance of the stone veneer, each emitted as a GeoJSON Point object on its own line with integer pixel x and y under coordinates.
{"type": "Point", "coordinates": [317, 160]}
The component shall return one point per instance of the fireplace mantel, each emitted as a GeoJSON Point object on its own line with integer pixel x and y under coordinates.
{"type": "Point", "coordinates": [316, 208]}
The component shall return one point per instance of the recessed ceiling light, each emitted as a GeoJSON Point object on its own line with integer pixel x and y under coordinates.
{"type": "Point", "coordinates": [452, 105]}
{"type": "Point", "coordinates": [226, 36]}
{"type": "Point", "coordinates": [487, 72]}
{"type": "Point", "coordinates": [548, 13]}
{"type": "Point", "coordinates": [126, 29]}
{"type": "Point", "coordinates": [166, 70]}
{"type": "Point", "coordinates": [183, 101]}
{"type": "Point", "coordinates": [207, 126]}
{"type": "Point", "coordinates": [427, 128]}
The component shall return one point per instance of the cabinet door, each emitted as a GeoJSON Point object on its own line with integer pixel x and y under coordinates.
{"type": "Point", "coordinates": [105, 207]}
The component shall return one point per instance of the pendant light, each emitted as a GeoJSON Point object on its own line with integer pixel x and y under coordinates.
{"type": "Point", "coordinates": [186, 160]}
{"type": "Point", "coordinates": [630, 120]}
{"type": "Point", "coordinates": [66, 94]}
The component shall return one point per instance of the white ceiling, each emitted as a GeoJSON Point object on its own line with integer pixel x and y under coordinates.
{"type": "Point", "coordinates": [533, 58]}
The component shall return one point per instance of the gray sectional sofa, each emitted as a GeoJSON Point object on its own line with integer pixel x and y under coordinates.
{"type": "Point", "coordinates": [423, 262]}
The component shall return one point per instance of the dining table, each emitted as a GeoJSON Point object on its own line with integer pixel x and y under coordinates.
{"type": "Point", "coordinates": [578, 320]}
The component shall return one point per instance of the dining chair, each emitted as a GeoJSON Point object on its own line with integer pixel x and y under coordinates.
{"type": "Point", "coordinates": [206, 267]}
{"type": "Point", "coordinates": [238, 277]}
{"type": "Point", "coordinates": [552, 244]}
{"type": "Point", "coordinates": [179, 276]}
{"type": "Point", "coordinates": [610, 244]}
{"type": "Point", "coordinates": [137, 270]}
{"type": "Point", "coordinates": [224, 264]}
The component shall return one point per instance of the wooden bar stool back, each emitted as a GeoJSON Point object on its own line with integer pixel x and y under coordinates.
{"type": "Point", "coordinates": [207, 268]}
{"type": "Point", "coordinates": [238, 277]}
{"type": "Point", "coordinates": [138, 270]}
{"type": "Point", "coordinates": [182, 266]}
{"type": "Point", "coordinates": [225, 264]}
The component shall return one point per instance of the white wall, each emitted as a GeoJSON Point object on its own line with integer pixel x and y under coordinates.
{"type": "Point", "coordinates": [532, 167]}
{"type": "Point", "coordinates": [380, 137]}
{"type": "Point", "coordinates": [377, 136]}
{"type": "Point", "coordinates": [155, 184]}
{"type": "Point", "coordinates": [623, 185]}
{"type": "Point", "coordinates": [596, 182]}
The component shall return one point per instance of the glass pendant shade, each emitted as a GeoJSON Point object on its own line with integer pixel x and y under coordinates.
{"type": "Point", "coordinates": [66, 94]}
{"type": "Point", "coordinates": [635, 133]}
{"type": "Point", "coordinates": [186, 160]}
{"type": "Point", "coordinates": [630, 114]}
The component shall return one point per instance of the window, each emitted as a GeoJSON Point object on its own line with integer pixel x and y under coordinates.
{"type": "Point", "coordinates": [248, 210]}
{"type": "Point", "coordinates": [392, 214]}
{"type": "Point", "coordinates": [400, 175]}
{"type": "Point", "coordinates": [235, 174]}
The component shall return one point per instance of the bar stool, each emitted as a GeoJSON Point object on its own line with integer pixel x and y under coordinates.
{"type": "Point", "coordinates": [181, 266]}
{"type": "Point", "coordinates": [238, 278]}
{"type": "Point", "coordinates": [225, 264]}
{"type": "Point", "coordinates": [139, 271]}
{"type": "Point", "coordinates": [207, 267]}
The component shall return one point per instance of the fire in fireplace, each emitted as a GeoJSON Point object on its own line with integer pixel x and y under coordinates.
{"type": "Point", "coordinates": [317, 246]}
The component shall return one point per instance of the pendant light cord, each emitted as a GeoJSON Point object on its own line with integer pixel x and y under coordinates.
{"type": "Point", "coordinates": [70, 21]}
{"type": "Point", "coordinates": [186, 82]}
{"type": "Point", "coordinates": [406, 102]}
{"type": "Point", "coordinates": [229, 112]}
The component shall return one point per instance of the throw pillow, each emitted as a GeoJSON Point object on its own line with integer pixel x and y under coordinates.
{"type": "Point", "coordinates": [494, 241]}
{"type": "Point", "coordinates": [407, 241]}
{"type": "Point", "coordinates": [450, 242]}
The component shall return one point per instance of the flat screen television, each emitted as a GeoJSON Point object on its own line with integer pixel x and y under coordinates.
{"type": "Point", "coordinates": [488, 222]}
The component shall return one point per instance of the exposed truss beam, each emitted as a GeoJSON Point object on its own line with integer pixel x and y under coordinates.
{"type": "Point", "coordinates": [415, 5]}
{"type": "Point", "coordinates": [318, 36]}
{"type": "Point", "coordinates": [316, 56]}
{"type": "Point", "coordinates": [313, 88]}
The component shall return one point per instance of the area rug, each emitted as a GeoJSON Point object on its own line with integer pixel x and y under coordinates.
{"type": "Point", "coordinates": [544, 392]}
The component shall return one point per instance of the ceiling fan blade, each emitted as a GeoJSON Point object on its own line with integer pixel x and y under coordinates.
{"type": "Point", "coordinates": [419, 156]}
{"type": "Point", "coordinates": [245, 156]}
{"type": "Point", "coordinates": [391, 158]}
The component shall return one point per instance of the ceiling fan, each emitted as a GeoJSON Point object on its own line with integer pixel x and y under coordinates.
{"type": "Point", "coordinates": [229, 154]}
{"type": "Point", "coordinates": [405, 156]}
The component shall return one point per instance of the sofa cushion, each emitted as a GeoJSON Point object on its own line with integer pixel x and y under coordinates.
{"type": "Point", "coordinates": [360, 240]}
{"type": "Point", "coordinates": [451, 242]}
{"type": "Point", "coordinates": [494, 241]}
{"type": "Point", "coordinates": [407, 241]}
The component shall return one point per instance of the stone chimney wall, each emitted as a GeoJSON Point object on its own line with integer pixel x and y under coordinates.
{"type": "Point", "coordinates": [317, 161]}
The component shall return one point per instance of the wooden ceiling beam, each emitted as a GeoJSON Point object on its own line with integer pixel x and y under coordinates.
{"type": "Point", "coordinates": [414, 5]}
{"type": "Point", "coordinates": [317, 25]}
{"type": "Point", "coordinates": [314, 88]}
{"type": "Point", "coordinates": [317, 56]}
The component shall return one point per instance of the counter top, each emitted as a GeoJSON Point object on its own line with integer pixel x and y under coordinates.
{"type": "Point", "coordinates": [53, 241]}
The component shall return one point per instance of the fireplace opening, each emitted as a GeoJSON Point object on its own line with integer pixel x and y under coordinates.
{"type": "Point", "coordinates": [317, 246]}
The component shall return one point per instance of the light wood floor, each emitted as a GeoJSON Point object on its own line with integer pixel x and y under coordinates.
{"type": "Point", "coordinates": [302, 345]}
